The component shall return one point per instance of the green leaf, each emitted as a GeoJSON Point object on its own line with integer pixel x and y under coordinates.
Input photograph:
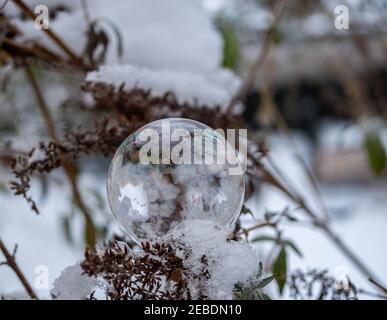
{"type": "Point", "coordinates": [259, 295]}
{"type": "Point", "coordinates": [230, 47]}
{"type": "Point", "coordinates": [293, 246]}
{"type": "Point", "coordinates": [3, 188]}
{"type": "Point", "coordinates": [100, 202]}
{"type": "Point", "coordinates": [264, 238]}
{"type": "Point", "coordinates": [101, 232]}
{"type": "Point", "coordinates": [246, 210]}
{"type": "Point", "coordinates": [260, 270]}
{"type": "Point", "coordinates": [264, 282]}
{"type": "Point", "coordinates": [280, 269]}
{"type": "Point", "coordinates": [265, 296]}
{"type": "Point", "coordinates": [253, 291]}
{"type": "Point", "coordinates": [376, 153]}
{"type": "Point", "coordinates": [88, 237]}
{"type": "Point", "coordinates": [66, 224]}
{"type": "Point", "coordinates": [278, 36]}
{"type": "Point", "coordinates": [287, 243]}
{"type": "Point", "coordinates": [117, 32]}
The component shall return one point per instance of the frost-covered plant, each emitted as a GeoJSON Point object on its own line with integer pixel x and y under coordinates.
{"type": "Point", "coordinates": [320, 285]}
{"type": "Point", "coordinates": [156, 273]}
{"type": "Point", "coordinates": [187, 264]}
{"type": "Point", "coordinates": [254, 289]}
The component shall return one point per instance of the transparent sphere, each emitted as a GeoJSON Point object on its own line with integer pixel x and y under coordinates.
{"type": "Point", "coordinates": [171, 172]}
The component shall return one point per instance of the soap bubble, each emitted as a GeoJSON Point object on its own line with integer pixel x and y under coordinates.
{"type": "Point", "coordinates": [171, 172]}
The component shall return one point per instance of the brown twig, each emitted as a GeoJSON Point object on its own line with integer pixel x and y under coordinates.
{"type": "Point", "coordinates": [3, 5]}
{"type": "Point", "coordinates": [17, 49]}
{"type": "Point", "coordinates": [69, 169]}
{"type": "Point", "coordinates": [377, 284]}
{"type": "Point", "coordinates": [248, 83]}
{"type": "Point", "coordinates": [9, 154]}
{"type": "Point", "coordinates": [282, 126]}
{"type": "Point", "coordinates": [11, 262]}
{"type": "Point", "coordinates": [53, 36]}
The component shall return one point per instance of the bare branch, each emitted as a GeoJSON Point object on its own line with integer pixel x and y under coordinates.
{"type": "Point", "coordinates": [322, 225]}
{"type": "Point", "coordinates": [54, 37]}
{"type": "Point", "coordinates": [69, 169]}
{"type": "Point", "coordinates": [252, 75]}
{"type": "Point", "coordinates": [11, 262]}
{"type": "Point", "coordinates": [374, 282]}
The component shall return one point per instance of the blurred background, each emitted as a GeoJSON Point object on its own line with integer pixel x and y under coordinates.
{"type": "Point", "coordinates": [314, 89]}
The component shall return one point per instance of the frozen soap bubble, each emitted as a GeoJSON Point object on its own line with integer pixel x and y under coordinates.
{"type": "Point", "coordinates": [171, 172]}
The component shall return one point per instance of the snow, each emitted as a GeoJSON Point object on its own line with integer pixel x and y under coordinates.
{"type": "Point", "coordinates": [224, 257]}
{"type": "Point", "coordinates": [154, 34]}
{"type": "Point", "coordinates": [74, 285]}
{"type": "Point", "coordinates": [212, 88]}
{"type": "Point", "coordinates": [168, 46]}
{"type": "Point", "coordinates": [199, 239]}
{"type": "Point", "coordinates": [36, 156]}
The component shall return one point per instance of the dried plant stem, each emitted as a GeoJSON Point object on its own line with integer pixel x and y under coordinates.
{"type": "Point", "coordinates": [29, 51]}
{"type": "Point", "coordinates": [372, 294]}
{"type": "Point", "coordinates": [9, 154]}
{"type": "Point", "coordinates": [86, 11]}
{"type": "Point", "coordinates": [69, 169]}
{"type": "Point", "coordinates": [257, 226]}
{"type": "Point", "coordinates": [53, 36]}
{"type": "Point", "coordinates": [375, 283]}
{"type": "Point", "coordinates": [248, 83]}
{"type": "Point", "coordinates": [282, 126]}
{"type": "Point", "coordinates": [322, 225]}
{"type": "Point", "coordinates": [3, 5]}
{"type": "Point", "coordinates": [11, 262]}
